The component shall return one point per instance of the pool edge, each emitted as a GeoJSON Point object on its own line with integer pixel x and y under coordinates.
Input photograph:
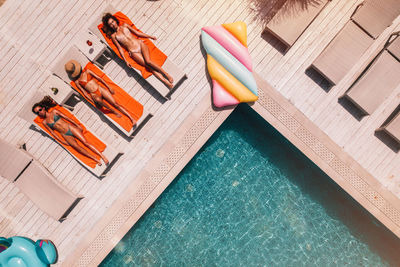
{"type": "Point", "coordinates": [202, 123]}
{"type": "Point", "coordinates": [328, 156]}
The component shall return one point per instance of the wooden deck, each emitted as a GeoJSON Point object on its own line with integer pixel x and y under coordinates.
{"type": "Point", "coordinates": [33, 34]}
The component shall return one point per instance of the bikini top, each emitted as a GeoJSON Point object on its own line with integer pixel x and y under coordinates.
{"type": "Point", "coordinates": [55, 118]}
{"type": "Point", "coordinates": [88, 78]}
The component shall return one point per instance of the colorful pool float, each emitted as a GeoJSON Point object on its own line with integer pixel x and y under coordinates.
{"type": "Point", "coordinates": [229, 64]}
{"type": "Point", "coordinates": [20, 251]}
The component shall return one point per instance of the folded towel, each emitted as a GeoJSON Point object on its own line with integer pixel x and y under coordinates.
{"type": "Point", "coordinates": [155, 54]}
{"type": "Point", "coordinates": [88, 135]}
{"type": "Point", "coordinates": [134, 108]}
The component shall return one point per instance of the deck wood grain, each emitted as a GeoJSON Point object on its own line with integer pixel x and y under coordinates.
{"type": "Point", "coordinates": [33, 34]}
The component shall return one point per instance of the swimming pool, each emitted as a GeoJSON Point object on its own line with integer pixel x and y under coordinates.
{"type": "Point", "coordinates": [249, 197]}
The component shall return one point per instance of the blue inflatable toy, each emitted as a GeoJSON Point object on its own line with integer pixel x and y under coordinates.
{"type": "Point", "coordinates": [20, 251]}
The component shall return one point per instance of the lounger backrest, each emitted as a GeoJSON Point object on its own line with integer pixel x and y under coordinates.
{"type": "Point", "coordinates": [374, 16]}
{"type": "Point", "coordinates": [12, 161]}
{"type": "Point", "coordinates": [93, 26]}
{"type": "Point", "coordinates": [342, 52]}
{"type": "Point", "coordinates": [72, 53]}
{"type": "Point", "coordinates": [394, 48]}
{"type": "Point", "coordinates": [377, 83]}
{"type": "Point", "coordinates": [43, 190]}
{"type": "Point", "coordinates": [26, 110]}
{"type": "Point", "coordinates": [290, 22]}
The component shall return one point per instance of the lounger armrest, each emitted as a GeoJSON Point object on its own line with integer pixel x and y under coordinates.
{"type": "Point", "coordinates": [13, 161]}
{"type": "Point", "coordinates": [392, 38]}
{"type": "Point", "coordinates": [357, 8]}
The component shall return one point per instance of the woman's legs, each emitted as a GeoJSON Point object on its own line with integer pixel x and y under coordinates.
{"type": "Point", "coordinates": [110, 99]}
{"type": "Point", "coordinates": [143, 58]}
{"type": "Point", "coordinates": [163, 79]}
{"type": "Point", "coordinates": [147, 59]}
{"type": "Point", "coordinates": [78, 134]}
{"type": "Point", "coordinates": [72, 142]}
{"type": "Point", "coordinates": [98, 100]}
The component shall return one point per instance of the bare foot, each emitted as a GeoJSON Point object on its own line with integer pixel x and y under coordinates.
{"type": "Point", "coordinates": [170, 79]}
{"type": "Point", "coordinates": [98, 162]}
{"type": "Point", "coordinates": [132, 120]}
{"type": "Point", "coordinates": [169, 85]}
{"type": "Point", "coordinates": [105, 160]}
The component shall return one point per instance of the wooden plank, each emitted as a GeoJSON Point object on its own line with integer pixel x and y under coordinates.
{"type": "Point", "coordinates": [30, 49]}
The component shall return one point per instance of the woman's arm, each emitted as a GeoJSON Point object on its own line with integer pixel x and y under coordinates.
{"type": "Point", "coordinates": [120, 49]}
{"type": "Point", "coordinates": [101, 80]}
{"type": "Point", "coordinates": [83, 90]}
{"type": "Point", "coordinates": [54, 134]}
{"type": "Point", "coordinates": [140, 34]}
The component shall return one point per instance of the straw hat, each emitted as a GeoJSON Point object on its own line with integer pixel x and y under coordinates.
{"type": "Point", "coordinates": [73, 68]}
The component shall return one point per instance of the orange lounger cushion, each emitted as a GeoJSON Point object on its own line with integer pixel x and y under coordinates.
{"type": "Point", "coordinates": [88, 135]}
{"type": "Point", "coordinates": [156, 55]}
{"type": "Point", "coordinates": [122, 97]}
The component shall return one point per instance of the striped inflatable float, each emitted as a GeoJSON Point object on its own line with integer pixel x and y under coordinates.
{"type": "Point", "coordinates": [229, 64]}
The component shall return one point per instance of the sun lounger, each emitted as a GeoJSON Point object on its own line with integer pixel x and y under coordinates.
{"type": "Point", "coordinates": [374, 16]}
{"type": "Point", "coordinates": [111, 154]}
{"type": "Point", "coordinates": [392, 127]}
{"type": "Point", "coordinates": [287, 26]}
{"type": "Point", "coordinates": [36, 182]}
{"type": "Point", "coordinates": [378, 81]}
{"type": "Point", "coordinates": [347, 47]}
{"type": "Point", "coordinates": [342, 53]}
{"type": "Point", "coordinates": [170, 67]}
{"type": "Point", "coordinates": [123, 123]}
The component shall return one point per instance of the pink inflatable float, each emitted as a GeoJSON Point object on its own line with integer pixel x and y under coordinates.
{"type": "Point", "coordinates": [229, 64]}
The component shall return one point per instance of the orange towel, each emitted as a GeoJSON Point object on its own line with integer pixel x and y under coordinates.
{"type": "Point", "coordinates": [122, 97]}
{"type": "Point", "coordinates": [155, 54]}
{"type": "Point", "coordinates": [88, 135]}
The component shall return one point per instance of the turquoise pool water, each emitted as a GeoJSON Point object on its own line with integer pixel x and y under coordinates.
{"type": "Point", "coordinates": [250, 198]}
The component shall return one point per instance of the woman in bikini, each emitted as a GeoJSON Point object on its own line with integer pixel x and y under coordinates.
{"type": "Point", "coordinates": [70, 130]}
{"type": "Point", "coordinates": [86, 82]}
{"type": "Point", "coordinates": [122, 37]}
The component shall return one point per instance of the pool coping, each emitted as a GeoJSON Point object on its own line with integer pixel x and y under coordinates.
{"type": "Point", "coordinates": [192, 134]}
{"type": "Point", "coordinates": [328, 156]}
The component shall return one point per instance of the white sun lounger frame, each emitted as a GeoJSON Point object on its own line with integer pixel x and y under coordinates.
{"type": "Point", "coordinates": [170, 67]}
{"type": "Point", "coordinates": [111, 154]}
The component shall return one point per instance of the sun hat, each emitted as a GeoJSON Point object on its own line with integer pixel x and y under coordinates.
{"type": "Point", "coordinates": [73, 68]}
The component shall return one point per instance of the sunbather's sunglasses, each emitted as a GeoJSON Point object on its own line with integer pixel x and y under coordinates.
{"type": "Point", "coordinates": [40, 109]}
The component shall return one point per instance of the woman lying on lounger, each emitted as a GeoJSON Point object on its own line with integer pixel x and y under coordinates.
{"type": "Point", "coordinates": [69, 130]}
{"type": "Point", "coordinates": [122, 37]}
{"type": "Point", "coordinates": [86, 82]}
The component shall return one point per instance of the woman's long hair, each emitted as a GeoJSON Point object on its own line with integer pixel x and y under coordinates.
{"type": "Point", "coordinates": [106, 28]}
{"type": "Point", "coordinates": [47, 102]}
